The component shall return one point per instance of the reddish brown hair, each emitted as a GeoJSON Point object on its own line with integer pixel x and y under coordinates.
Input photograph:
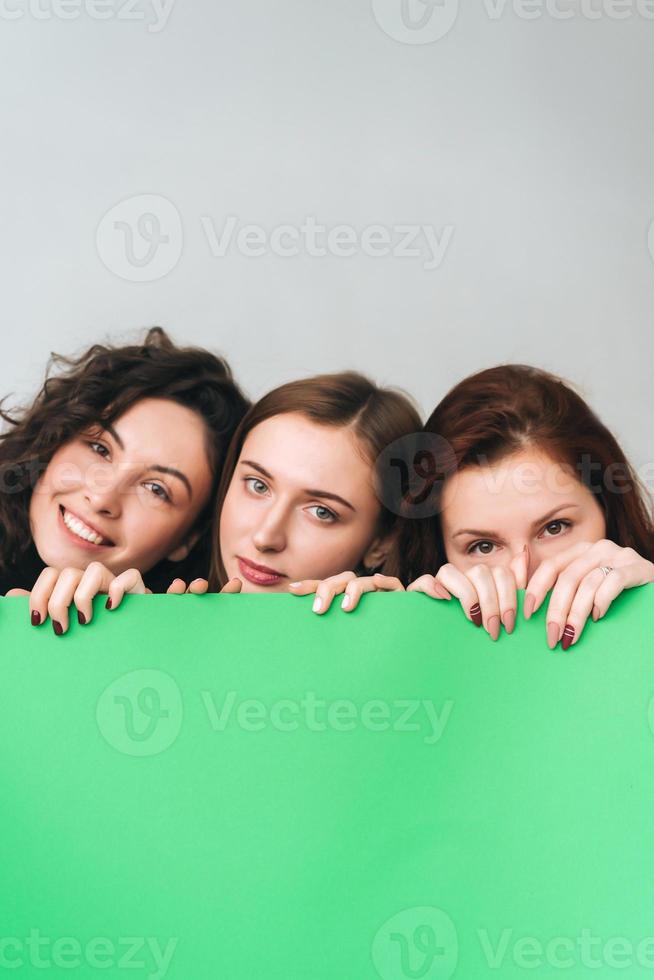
{"type": "Point", "coordinates": [377, 416]}
{"type": "Point", "coordinates": [504, 410]}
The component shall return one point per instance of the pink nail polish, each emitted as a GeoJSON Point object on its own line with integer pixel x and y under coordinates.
{"type": "Point", "coordinates": [494, 627]}
{"type": "Point", "coordinates": [596, 613]}
{"type": "Point", "coordinates": [528, 607]}
{"type": "Point", "coordinates": [552, 635]}
{"type": "Point", "coordinates": [509, 620]}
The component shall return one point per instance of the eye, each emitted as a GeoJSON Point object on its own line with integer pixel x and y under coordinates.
{"type": "Point", "coordinates": [481, 548]}
{"type": "Point", "coordinates": [555, 528]}
{"type": "Point", "coordinates": [256, 485]}
{"type": "Point", "coordinates": [158, 491]}
{"type": "Point", "coordinates": [99, 449]}
{"type": "Point", "coordinates": [324, 514]}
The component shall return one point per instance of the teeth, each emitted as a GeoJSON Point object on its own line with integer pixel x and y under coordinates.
{"type": "Point", "coordinates": [81, 530]}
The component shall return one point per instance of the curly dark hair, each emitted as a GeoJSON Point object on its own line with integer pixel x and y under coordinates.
{"type": "Point", "coordinates": [97, 387]}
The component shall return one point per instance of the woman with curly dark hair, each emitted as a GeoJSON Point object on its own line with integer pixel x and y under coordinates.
{"type": "Point", "coordinates": [116, 461]}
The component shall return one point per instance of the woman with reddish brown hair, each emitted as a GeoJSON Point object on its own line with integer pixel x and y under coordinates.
{"type": "Point", "coordinates": [526, 489]}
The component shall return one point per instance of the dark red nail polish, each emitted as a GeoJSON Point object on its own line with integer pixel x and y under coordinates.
{"type": "Point", "coordinates": [81, 618]}
{"type": "Point", "coordinates": [475, 615]}
{"type": "Point", "coordinates": [107, 604]}
{"type": "Point", "coordinates": [568, 636]}
{"type": "Point", "coordinates": [36, 618]}
{"type": "Point", "coordinates": [57, 627]}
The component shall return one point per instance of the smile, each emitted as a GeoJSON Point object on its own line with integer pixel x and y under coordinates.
{"type": "Point", "coordinates": [81, 530]}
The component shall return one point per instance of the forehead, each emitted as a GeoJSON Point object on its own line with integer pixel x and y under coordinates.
{"type": "Point", "coordinates": [527, 484]}
{"type": "Point", "coordinates": [162, 430]}
{"type": "Point", "coordinates": [307, 455]}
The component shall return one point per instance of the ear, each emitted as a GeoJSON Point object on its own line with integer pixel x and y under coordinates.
{"type": "Point", "coordinates": [182, 550]}
{"type": "Point", "coordinates": [378, 551]}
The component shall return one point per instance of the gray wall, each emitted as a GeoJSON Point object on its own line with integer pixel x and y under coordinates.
{"type": "Point", "coordinates": [522, 137]}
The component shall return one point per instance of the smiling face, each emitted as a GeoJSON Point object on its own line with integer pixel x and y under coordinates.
{"type": "Point", "coordinates": [301, 505]}
{"type": "Point", "coordinates": [490, 513]}
{"type": "Point", "coordinates": [128, 495]}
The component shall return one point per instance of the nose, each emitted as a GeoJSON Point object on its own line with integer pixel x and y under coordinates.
{"type": "Point", "coordinates": [103, 493]}
{"type": "Point", "coordinates": [270, 532]}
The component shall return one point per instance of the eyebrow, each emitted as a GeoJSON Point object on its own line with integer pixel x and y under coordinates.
{"type": "Point", "coordinates": [541, 520]}
{"type": "Point", "coordinates": [323, 494]}
{"type": "Point", "coordinates": [169, 470]}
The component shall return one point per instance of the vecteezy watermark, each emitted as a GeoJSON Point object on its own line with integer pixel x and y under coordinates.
{"type": "Point", "coordinates": [586, 949]}
{"type": "Point", "coordinates": [314, 714]}
{"type": "Point", "coordinates": [140, 713]}
{"type": "Point", "coordinates": [426, 21]}
{"type": "Point", "coordinates": [410, 473]}
{"type": "Point", "coordinates": [419, 942]}
{"type": "Point", "coordinates": [416, 21]}
{"type": "Point", "coordinates": [410, 241]}
{"type": "Point", "coordinates": [155, 13]}
{"type": "Point", "coordinates": [141, 238]}
{"type": "Point", "coordinates": [101, 953]}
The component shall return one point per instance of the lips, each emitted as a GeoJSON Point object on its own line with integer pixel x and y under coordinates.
{"type": "Point", "coordinates": [85, 534]}
{"type": "Point", "coordinates": [259, 574]}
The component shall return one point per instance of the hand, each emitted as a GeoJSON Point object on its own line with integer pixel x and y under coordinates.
{"type": "Point", "coordinates": [580, 588]}
{"type": "Point", "coordinates": [488, 593]}
{"type": "Point", "coordinates": [56, 590]}
{"type": "Point", "coordinates": [200, 585]}
{"type": "Point", "coordinates": [348, 583]}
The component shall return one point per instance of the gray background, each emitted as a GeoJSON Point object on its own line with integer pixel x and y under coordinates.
{"type": "Point", "coordinates": [532, 138]}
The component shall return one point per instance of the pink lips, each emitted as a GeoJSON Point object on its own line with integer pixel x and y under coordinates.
{"type": "Point", "coordinates": [258, 574]}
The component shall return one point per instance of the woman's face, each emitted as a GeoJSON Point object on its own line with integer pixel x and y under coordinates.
{"type": "Point", "coordinates": [491, 512]}
{"type": "Point", "coordinates": [301, 505]}
{"type": "Point", "coordinates": [126, 496]}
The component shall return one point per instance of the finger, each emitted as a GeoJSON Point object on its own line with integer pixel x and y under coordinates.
{"type": "Point", "coordinates": [430, 586]}
{"type": "Point", "coordinates": [62, 597]}
{"type": "Point", "coordinates": [581, 607]}
{"type": "Point", "coordinates": [328, 588]}
{"type": "Point", "coordinates": [200, 585]}
{"type": "Point", "coordinates": [176, 587]}
{"type": "Point", "coordinates": [40, 594]}
{"type": "Point", "coordinates": [519, 566]}
{"type": "Point", "coordinates": [368, 583]}
{"type": "Point", "coordinates": [565, 589]}
{"type": "Point", "coordinates": [96, 579]}
{"type": "Point", "coordinates": [233, 586]}
{"type": "Point", "coordinates": [129, 582]}
{"type": "Point", "coordinates": [483, 580]}
{"type": "Point", "coordinates": [506, 587]}
{"type": "Point", "coordinates": [546, 575]}
{"type": "Point", "coordinates": [306, 587]}
{"type": "Point", "coordinates": [459, 585]}
{"type": "Point", "coordinates": [15, 592]}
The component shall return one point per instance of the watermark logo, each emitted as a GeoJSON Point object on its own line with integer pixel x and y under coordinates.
{"type": "Point", "coordinates": [410, 473]}
{"type": "Point", "coordinates": [140, 713]}
{"type": "Point", "coordinates": [416, 944]}
{"type": "Point", "coordinates": [154, 13]}
{"type": "Point", "coordinates": [41, 952]}
{"type": "Point", "coordinates": [141, 239]}
{"type": "Point", "coordinates": [416, 21]}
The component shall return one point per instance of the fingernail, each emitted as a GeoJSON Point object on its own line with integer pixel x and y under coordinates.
{"type": "Point", "coordinates": [475, 615]}
{"type": "Point", "coordinates": [568, 637]}
{"type": "Point", "coordinates": [317, 604]}
{"type": "Point", "coordinates": [528, 608]}
{"type": "Point", "coordinates": [552, 635]}
{"type": "Point", "coordinates": [346, 603]}
{"type": "Point", "coordinates": [36, 618]}
{"type": "Point", "coordinates": [494, 627]}
{"type": "Point", "coordinates": [596, 613]}
{"type": "Point", "coordinates": [57, 627]}
{"type": "Point", "coordinates": [81, 618]}
{"type": "Point", "coordinates": [509, 620]}
{"type": "Point", "coordinates": [107, 604]}
{"type": "Point", "coordinates": [294, 585]}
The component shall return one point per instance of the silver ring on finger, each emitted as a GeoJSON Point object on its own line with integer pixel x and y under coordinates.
{"type": "Point", "coordinates": [606, 569]}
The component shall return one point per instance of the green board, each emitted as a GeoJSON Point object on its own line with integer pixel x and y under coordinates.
{"type": "Point", "coordinates": [232, 787]}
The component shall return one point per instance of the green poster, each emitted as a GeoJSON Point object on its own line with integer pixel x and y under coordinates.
{"type": "Point", "coordinates": [232, 787]}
